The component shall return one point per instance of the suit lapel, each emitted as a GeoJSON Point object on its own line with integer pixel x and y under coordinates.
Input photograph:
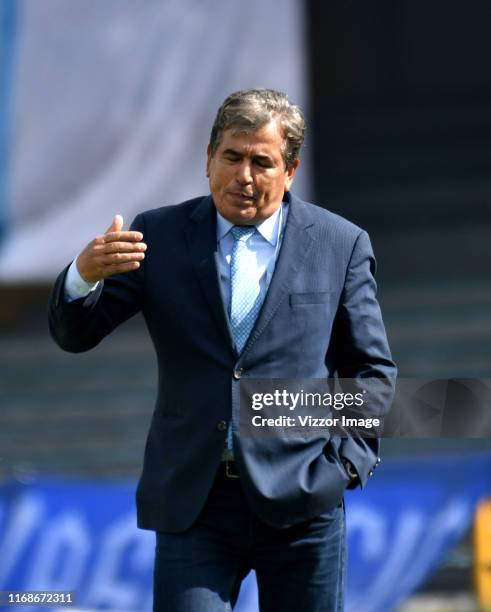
{"type": "Point", "coordinates": [202, 244]}
{"type": "Point", "coordinates": [297, 242]}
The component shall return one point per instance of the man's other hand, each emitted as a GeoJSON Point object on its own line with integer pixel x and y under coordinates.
{"type": "Point", "coordinates": [114, 252]}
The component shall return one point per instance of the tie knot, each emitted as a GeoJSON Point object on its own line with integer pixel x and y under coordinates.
{"type": "Point", "coordinates": [242, 233]}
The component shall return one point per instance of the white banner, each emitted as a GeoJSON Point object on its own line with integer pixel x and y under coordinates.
{"type": "Point", "coordinates": [113, 102]}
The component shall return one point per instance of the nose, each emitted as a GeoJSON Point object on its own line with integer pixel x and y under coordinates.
{"type": "Point", "coordinates": [244, 174]}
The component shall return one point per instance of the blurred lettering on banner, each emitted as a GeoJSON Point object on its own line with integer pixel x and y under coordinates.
{"type": "Point", "coordinates": [80, 535]}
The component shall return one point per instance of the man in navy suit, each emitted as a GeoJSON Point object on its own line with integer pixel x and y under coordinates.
{"type": "Point", "coordinates": [248, 282]}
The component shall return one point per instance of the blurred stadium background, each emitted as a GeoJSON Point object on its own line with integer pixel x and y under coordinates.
{"type": "Point", "coordinates": [106, 107]}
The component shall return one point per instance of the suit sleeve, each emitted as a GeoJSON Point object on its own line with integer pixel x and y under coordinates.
{"type": "Point", "coordinates": [360, 350]}
{"type": "Point", "coordinates": [81, 324]}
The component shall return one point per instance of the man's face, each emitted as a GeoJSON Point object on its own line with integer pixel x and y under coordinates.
{"type": "Point", "coordinates": [247, 174]}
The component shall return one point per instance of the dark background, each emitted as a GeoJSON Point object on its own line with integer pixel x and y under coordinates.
{"type": "Point", "coordinates": [401, 136]}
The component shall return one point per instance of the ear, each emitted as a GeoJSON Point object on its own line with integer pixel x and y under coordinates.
{"type": "Point", "coordinates": [290, 174]}
{"type": "Point", "coordinates": [208, 160]}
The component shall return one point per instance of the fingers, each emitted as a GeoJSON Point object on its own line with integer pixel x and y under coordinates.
{"type": "Point", "coordinates": [119, 236]}
{"type": "Point", "coordinates": [93, 268]}
{"type": "Point", "coordinates": [113, 252]}
{"type": "Point", "coordinates": [120, 268]}
{"type": "Point", "coordinates": [120, 258]}
{"type": "Point", "coordinates": [119, 247]}
{"type": "Point", "coordinates": [116, 253]}
{"type": "Point", "coordinates": [115, 233]}
{"type": "Point", "coordinates": [116, 225]}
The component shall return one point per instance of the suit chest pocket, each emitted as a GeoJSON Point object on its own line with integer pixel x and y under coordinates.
{"type": "Point", "coordinates": [318, 297]}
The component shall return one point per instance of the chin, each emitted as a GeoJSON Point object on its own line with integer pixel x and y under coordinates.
{"type": "Point", "coordinates": [246, 217]}
{"type": "Point", "coordinates": [247, 213]}
{"type": "Point", "coordinates": [240, 216]}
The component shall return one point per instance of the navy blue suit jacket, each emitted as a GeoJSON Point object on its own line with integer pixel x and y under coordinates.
{"type": "Point", "coordinates": [320, 317]}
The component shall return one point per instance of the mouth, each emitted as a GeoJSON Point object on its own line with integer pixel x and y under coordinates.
{"type": "Point", "coordinates": [243, 197]}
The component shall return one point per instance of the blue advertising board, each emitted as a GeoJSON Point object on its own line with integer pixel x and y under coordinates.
{"type": "Point", "coordinates": [61, 534]}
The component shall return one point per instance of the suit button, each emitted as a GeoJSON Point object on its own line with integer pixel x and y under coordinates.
{"type": "Point", "coordinates": [222, 425]}
{"type": "Point", "coordinates": [238, 373]}
{"type": "Point", "coordinates": [370, 473]}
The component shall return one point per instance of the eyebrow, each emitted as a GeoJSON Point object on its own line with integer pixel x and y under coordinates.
{"type": "Point", "coordinates": [239, 154]}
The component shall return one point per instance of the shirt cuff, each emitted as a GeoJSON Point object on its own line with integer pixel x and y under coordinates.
{"type": "Point", "coordinates": [75, 286]}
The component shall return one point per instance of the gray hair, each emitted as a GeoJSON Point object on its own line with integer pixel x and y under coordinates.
{"type": "Point", "coordinates": [250, 109]}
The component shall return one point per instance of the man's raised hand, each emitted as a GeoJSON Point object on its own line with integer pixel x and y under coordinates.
{"type": "Point", "coordinates": [114, 252]}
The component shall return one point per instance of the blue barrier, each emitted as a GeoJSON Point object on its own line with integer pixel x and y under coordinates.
{"type": "Point", "coordinates": [76, 535]}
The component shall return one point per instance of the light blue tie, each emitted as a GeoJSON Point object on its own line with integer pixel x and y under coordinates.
{"type": "Point", "coordinates": [245, 290]}
{"type": "Point", "coordinates": [245, 296]}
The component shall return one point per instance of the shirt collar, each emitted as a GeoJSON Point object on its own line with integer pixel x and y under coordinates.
{"type": "Point", "coordinates": [269, 228]}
